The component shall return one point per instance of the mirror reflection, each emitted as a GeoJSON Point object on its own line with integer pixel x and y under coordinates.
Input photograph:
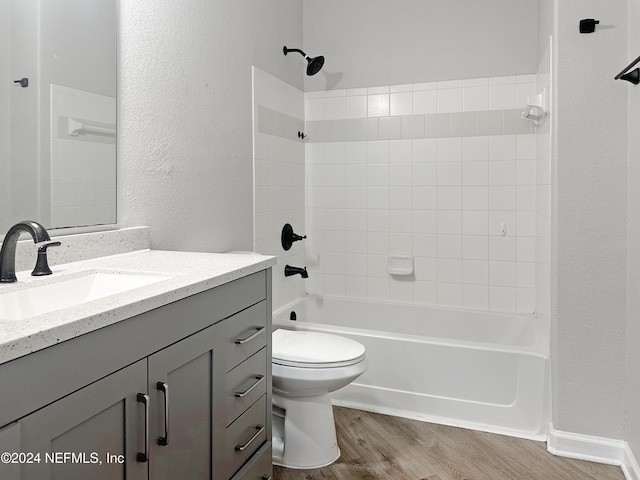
{"type": "Point", "coordinates": [58, 108]}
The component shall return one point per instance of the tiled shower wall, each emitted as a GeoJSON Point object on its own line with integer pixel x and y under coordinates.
{"type": "Point", "coordinates": [83, 167]}
{"type": "Point", "coordinates": [444, 172]}
{"type": "Point", "coordinates": [278, 159]}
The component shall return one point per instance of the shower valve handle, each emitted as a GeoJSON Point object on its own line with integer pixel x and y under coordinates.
{"type": "Point", "coordinates": [288, 237]}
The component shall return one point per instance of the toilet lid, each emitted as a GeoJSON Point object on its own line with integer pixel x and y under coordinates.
{"type": "Point", "coordinates": [314, 349]}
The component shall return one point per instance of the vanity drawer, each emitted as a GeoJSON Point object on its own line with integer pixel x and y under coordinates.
{"type": "Point", "coordinates": [245, 384]}
{"type": "Point", "coordinates": [246, 334]}
{"type": "Point", "coordinates": [246, 435]}
{"type": "Point", "coordinates": [259, 467]}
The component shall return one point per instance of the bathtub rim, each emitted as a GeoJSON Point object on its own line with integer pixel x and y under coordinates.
{"type": "Point", "coordinates": [539, 348]}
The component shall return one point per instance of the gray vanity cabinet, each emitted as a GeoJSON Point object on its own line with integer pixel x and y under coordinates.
{"type": "Point", "coordinates": [197, 369]}
{"type": "Point", "coordinates": [181, 385]}
{"type": "Point", "coordinates": [101, 419]}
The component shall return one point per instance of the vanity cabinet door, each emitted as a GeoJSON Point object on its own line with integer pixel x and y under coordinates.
{"type": "Point", "coordinates": [94, 433]}
{"type": "Point", "coordinates": [181, 387]}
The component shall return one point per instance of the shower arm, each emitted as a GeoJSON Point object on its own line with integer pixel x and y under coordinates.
{"type": "Point", "coordinates": [287, 50]}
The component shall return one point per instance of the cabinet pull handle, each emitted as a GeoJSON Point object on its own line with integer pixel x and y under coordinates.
{"type": "Point", "coordinates": [242, 341]}
{"type": "Point", "coordinates": [144, 399]}
{"type": "Point", "coordinates": [241, 448]}
{"type": "Point", "coordinates": [259, 379]}
{"type": "Point", "coordinates": [164, 388]}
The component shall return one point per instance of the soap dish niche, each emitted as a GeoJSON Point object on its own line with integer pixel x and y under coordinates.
{"type": "Point", "coordinates": [401, 265]}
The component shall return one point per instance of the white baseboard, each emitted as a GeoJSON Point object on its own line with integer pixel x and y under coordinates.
{"type": "Point", "coordinates": [630, 466]}
{"type": "Point", "coordinates": [594, 449]}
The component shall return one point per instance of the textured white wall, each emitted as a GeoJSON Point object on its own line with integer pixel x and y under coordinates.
{"type": "Point", "coordinates": [589, 227]}
{"type": "Point", "coordinates": [633, 272]}
{"type": "Point", "coordinates": [378, 42]}
{"type": "Point", "coordinates": [185, 115]}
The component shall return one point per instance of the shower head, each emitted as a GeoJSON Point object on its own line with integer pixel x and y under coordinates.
{"type": "Point", "coordinates": [314, 63]}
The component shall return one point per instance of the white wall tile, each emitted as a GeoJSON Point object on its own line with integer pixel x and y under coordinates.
{"type": "Point", "coordinates": [475, 98]}
{"type": "Point", "coordinates": [425, 150]}
{"type": "Point", "coordinates": [400, 291]}
{"type": "Point", "coordinates": [425, 198]}
{"type": "Point", "coordinates": [425, 292]}
{"type": "Point", "coordinates": [426, 269]}
{"type": "Point", "coordinates": [425, 174]}
{"type": "Point", "coordinates": [475, 222]}
{"type": "Point", "coordinates": [449, 100]}
{"type": "Point", "coordinates": [449, 173]}
{"type": "Point", "coordinates": [449, 246]}
{"type": "Point", "coordinates": [401, 103]}
{"type": "Point", "coordinates": [475, 198]}
{"type": "Point", "coordinates": [475, 247]}
{"type": "Point", "coordinates": [475, 148]}
{"type": "Point", "coordinates": [425, 102]}
{"type": "Point", "coordinates": [355, 152]}
{"type": "Point", "coordinates": [400, 151]}
{"type": "Point", "coordinates": [378, 105]}
{"type": "Point", "coordinates": [475, 173]}
{"type": "Point", "coordinates": [356, 106]}
{"type": "Point", "coordinates": [401, 174]}
{"type": "Point", "coordinates": [400, 198]}
{"type": "Point", "coordinates": [502, 299]}
{"type": "Point", "coordinates": [449, 294]}
{"type": "Point", "coordinates": [502, 172]}
{"type": "Point", "coordinates": [502, 249]}
{"type": "Point", "coordinates": [424, 221]}
{"type": "Point", "coordinates": [424, 245]}
{"type": "Point", "coordinates": [475, 297]}
{"type": "Point", "coordinates": [449, 198]}
{"type": "Point", "coordinates": [378, 152]}
{"type": "Point", "coordinates": [334, 108]}
{"type": "Point", "coordinates": [449, 149]}
{"type": "Point", "coordinates": [449, 222]}
{"type": "Point", "coordinates": [502, 97]}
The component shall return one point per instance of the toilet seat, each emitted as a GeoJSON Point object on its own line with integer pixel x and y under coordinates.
{"type": "Point", "coordinates": [314, 350]}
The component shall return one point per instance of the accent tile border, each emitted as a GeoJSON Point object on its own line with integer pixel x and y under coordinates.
{"type": "Point", "coordinates": [272, 122]}
{"type": "Point", "coordinates": [437, 125]}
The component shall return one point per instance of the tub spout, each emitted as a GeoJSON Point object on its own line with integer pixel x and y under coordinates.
{"type": "Point", "coordinates": [289, 270]}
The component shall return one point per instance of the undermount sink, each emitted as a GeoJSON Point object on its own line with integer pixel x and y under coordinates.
{"type": "Point", "coordinates": [68, 291]}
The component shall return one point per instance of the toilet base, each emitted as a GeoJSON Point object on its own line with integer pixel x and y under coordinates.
{"type": "Point", "coordinates": [304, 432]}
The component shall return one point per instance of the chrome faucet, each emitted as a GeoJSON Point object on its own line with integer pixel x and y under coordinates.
{"type": "Point", "coordinates": [8, 252]}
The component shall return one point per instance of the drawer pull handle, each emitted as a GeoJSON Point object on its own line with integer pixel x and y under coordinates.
{"type": "Point", "coordinates": [242, 341]}
{"type": "Point", "coordinates": [259, 379]}
{"type": "Point", "coordinates": [144, 456]}
{"type": "Point", "coordinates": [242, 448]}
{"type": "Point", "coordinates": [164, 388]}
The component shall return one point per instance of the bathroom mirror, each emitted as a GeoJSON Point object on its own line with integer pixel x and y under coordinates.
{"type": "Point", "coordinates": [58, 112]}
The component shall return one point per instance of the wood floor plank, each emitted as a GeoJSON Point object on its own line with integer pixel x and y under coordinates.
{"type": "Point", "coordinates": [376, 447]}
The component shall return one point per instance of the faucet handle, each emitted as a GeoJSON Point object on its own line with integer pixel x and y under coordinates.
{"type": "Point", "coordinates": [42, 265]}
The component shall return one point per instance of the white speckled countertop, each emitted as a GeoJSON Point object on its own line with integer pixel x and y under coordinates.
{"type": "Point", "coordinates": [190, 273]}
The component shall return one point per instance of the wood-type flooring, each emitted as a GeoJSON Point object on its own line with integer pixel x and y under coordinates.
{"type": "Point", "coordinates": [382, 447]}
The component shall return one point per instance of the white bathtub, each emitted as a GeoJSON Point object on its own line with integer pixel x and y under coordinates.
{"type": "Point", "coordinates": [482, 370]}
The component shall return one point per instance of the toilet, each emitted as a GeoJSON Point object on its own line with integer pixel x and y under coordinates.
{"type": "Point", "coordinates": [306, 367]}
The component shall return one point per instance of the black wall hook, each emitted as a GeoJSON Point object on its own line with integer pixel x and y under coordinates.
{"type": "Point", "coordinates": [24, 82]}
{"type": "Point", "coordinates": [588, 25]}
{"type": "Point", "coordinates": [632, 76]}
